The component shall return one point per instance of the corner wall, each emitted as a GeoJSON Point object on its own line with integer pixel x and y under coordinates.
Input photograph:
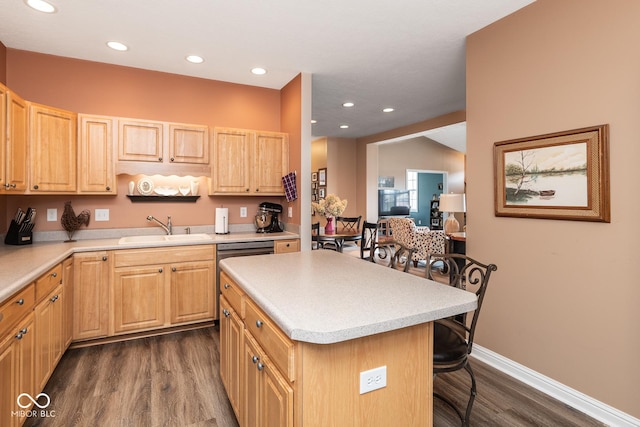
{"type": "Point", "coordinates": [564, 300]}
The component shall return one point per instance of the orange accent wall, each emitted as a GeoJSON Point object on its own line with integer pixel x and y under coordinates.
{"type": "Point", "coordinates": [564, 301]}
{"type": "Point", "coordinates": [97, 88]}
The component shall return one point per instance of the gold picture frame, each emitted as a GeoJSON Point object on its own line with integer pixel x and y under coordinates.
{"type": "Point", "coordinates": [562, 175]}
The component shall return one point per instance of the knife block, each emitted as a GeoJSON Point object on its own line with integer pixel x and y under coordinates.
{"type": "Point", "coordinates": [16, 237]}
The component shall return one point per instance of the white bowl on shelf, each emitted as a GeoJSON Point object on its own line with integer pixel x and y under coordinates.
{"type": "Point", "coordinates": [166, 191]}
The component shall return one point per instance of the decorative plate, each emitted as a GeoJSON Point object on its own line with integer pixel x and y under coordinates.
{"type": "Point", "coordinates": [166, 191]}
{"type": "Point", "coordinates": [145, 186]}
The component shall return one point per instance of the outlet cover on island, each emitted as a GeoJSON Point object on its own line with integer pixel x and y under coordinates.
{"type": "Point", "coordinates": [102, 215]}
{"type": "Point", "coordinates": [373, 379]}
{"type": "Point", "coordinates": [52, 214]}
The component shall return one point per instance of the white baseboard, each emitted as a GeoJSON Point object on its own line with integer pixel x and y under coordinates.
{"type": "Point", "coordinates": [583, 403]}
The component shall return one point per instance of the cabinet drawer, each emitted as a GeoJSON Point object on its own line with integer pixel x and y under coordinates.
{"type": "Point", "coordinates": [284, 246]}
{"type": "Point", "coordinates": [275, 343]}
{"type": "Point", "coordinates": [232, 293]}
{"type": "Point", "coordinates": [48, 281]}
{"type": "Point", "coordinates": [154, 256]}
{"type": "Point", "coordinates": [16, 307]}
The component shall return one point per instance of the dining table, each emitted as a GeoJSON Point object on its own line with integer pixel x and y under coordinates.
{"type": "Point", "coordinates": [338, 238]}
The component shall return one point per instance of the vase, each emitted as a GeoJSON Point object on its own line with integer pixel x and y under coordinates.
{"type": "Point", "coordinates": [329, 228]}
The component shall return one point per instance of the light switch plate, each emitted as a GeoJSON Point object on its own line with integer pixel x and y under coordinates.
{"type": "Point", "coordinates": [243, 212]}
{"type": "Point", "coordinates": [52, 215]}
{"type": "Point", "coordinates": [290, 212]}
{"type": "Point", "coordinates": [102, 215]}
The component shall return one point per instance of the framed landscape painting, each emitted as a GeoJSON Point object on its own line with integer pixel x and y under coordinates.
{"type": "Point", "coordinates": [563, 175]}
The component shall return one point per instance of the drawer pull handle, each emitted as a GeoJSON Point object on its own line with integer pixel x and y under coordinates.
{"type": "Point", "coordinates": [255, 359]}
{"type": "Point", "coordinates": [104, 258]}
{"type": "Point", "coordinates": [260, 366]}
{"type": "Point", "coordinates": [258, 323]}
{"type": "Point", "coordinates": [54, 275]}
{"type": "Point", "coordinates": [108, 188]}
{"type": "Point", "coordinates": [24, 331]}
{"type": "Point", "coordinates": [226, 313]}
{"type": "Point", "coordinates": [19, 335]}
{"type": "Point", "coordinates": [54, 298]}
{"type": "Point", "coordinates": [159, 270]}
{"type": "Point", "coordinates": [227, 286]}
{"type": "Point", "coordinates": [20, 301]}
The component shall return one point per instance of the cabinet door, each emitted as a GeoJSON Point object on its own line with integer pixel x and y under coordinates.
{"type": "Point", "coordinates": [138, 297]}
{"type": "Point", "coordinates": [14, 156]}
{"type": "Point", "coordinates": [67, 310]}
{"type": "Point", "coordinates": [192, 291]}
{"type": "Point", "coordinates": [271, 162]}
{"type": "Point", "coordinates": [90, 295]}
{"type": "Point", "coordinates": [53, 149]}
{"type": "Point", "coordinates": [231, 345]}
{"type": "Point", "coordinates": [250, 390]}
{"type": "Point", "coordinates": [188, 143]}
{"type": "Point", "coordinates": [95, 154]}
{"type": "Point", "coordinates": [49, 337]}
{"type": "Point", "coordinates": [140, 140]}
{"type": "Point", "coordinates": [276, 397]}
{"type": "Point", "coordinates": [231, 164]}
{"type": "Point", "coordinates": [4, 93]}
{"type": "Point", "coordinates": [17, 351]}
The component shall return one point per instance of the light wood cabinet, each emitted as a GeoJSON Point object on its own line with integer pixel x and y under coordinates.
{"type": "Point", "coordinates": [232, 344]}
{"type": "Point", "coordinates": [96, 165]}
{"type": "Point", "coordinates": [17, 352]}
{"type": "Point", "coordinates": [155, 288]}
{"type": "Point", "coordinates": [248, 162]}
{"type": "Point", "coordinates": [52, 146]}
{"type": "Point", "coordinates": [67, 303]}
{"type": "Point", "coordinates": [13, 142]}
{"type": "Point", "coordinates": [91, 295]}
{"type": "Point", "coordinates": [140, 140]}
{"type": "Point", "coordinates": [284, 246]}
{"type": "Point", "coordinates": [50, 340]}
{"type": "Point", "coordinates": [188, 143]}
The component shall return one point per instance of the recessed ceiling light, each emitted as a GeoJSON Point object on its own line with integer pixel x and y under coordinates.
{"type": "Point", "coordinates": [387, 110]}
{"type": "Point", "coordinates": [313, 122]}
{"type": "Point", "coordinates": [258, 71]}
{"type": "Point", "coordinates": [344, 126]}
{"type": "Point", "coordinates": [195, 59]}
{"type": "Point", "coordinates": [41, 6]}
{"type": "Point", "coordinates": [348, 104]}
{"type": "Point", "coordinates": [118, 46]}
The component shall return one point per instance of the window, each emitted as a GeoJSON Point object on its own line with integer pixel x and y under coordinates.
{"type": "Point", "coordinates": [412, 186]}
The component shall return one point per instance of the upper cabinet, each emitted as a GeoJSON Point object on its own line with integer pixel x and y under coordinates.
{"type": "Point", "coordinates": [247, 162]}
{"type": "Point", "coordinates": [13, 142]}
{"type": "Point", "coordinates": [52, 144]}
{"type": "Point", "coordinates": [158, 147]}
{"type": "Point", "coordinates": [95, 154]}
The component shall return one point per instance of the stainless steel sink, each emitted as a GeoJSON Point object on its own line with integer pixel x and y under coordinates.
{"type": "Point", "coordinates": [164, 238]}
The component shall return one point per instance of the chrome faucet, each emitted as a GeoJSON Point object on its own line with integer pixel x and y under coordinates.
{"type": "Point", "coordinates": [167, 228]}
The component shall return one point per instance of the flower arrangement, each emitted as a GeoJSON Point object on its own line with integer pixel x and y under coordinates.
{"type": "Point", "coordinates": [330, 206]}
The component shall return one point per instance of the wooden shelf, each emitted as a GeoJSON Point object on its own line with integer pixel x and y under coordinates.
{"type": "Point", "coordinates": [166, 199]}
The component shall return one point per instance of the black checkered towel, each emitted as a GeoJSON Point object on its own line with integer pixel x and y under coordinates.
{"type": "Point", "coordinates": [289, 183]}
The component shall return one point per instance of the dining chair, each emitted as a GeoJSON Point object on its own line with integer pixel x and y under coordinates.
{"type": "Point", "coordinates": [319, 242]}
{"type": "Point", "coordinates": [368, 239]}
{"type": "Point", "coordinates": [453, 336]}
{"type": "Point", "coordinates": [345, 224]}
{"type": "Point", "coordinates": [392, 254]}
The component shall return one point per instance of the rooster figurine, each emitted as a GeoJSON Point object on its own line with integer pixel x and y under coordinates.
{"type": "Point", "coordinates": [70, 222]}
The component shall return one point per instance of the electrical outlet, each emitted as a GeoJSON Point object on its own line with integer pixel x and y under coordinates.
{"type": "Point", "coordinates": [102, 215]}
{"type": "Point", "coordinates": [52, 214]}
{"type": "Point", "coordinates": [290, 212]}
{"type": "Point", "coordinates": [373, 379]}
{"type": "Point", "coordinates": [243, 212]}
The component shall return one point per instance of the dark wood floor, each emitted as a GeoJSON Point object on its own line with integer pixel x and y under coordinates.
{"type": "Point", "coordinates": [173, 380]}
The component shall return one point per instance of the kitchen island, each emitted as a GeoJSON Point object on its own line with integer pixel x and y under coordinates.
{"type": "Point", "coordinates": [314, 322]}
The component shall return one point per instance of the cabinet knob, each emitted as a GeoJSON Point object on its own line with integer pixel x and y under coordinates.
{"type": "Point", "coordinates": [54, 274]}
{"type": "Point", "coordinates": [104, 258]}
{"type": "Point", "coordinates": [172, 159]}
{"type": "Point", "coordinates": [108, 188]}
{"type": "Point", "coordinates": [159, 159]}
{"type": "Point", "coordinates": [54, 298]}
{"type": "Point", "coordinates": [24, 331]}
{"type": "Point", "coordinates": [226, 313]}
{"type": "Point", "coordinates": [258, 323]}
{"type": "Point", "coordinates": [257, 189]}
{"type": "Point", "coordinates": [227, 286]}
{"type": "Point", "coordinates": [247, 190]}
{"type": "Point", "coordinates": [173, 269]}
{"type": "Point", "coordinates": [20, 301]}
{"type": "Point", "coordinates": [255, 359]}
{"type": "Point", "coordinates": [35, 187]}
{"type": "Point", "coordinates": [260, 366]}
{"type": "Point", "coordinates": [159, 270]}
{"type": "Point", "coordinates": [19, 335]}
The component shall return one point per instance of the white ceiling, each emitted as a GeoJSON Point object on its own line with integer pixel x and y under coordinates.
{"type": "Point", "coordinates": [407, 54]}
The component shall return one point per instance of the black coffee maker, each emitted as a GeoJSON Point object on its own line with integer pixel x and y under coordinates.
{"type": "Point", "coordinates": [268, 218]}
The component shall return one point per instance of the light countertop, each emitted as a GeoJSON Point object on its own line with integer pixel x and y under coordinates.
{"type": "Point", "coordinates": [20, 265]}
{"type": "Point", "coordinates": [324, 297]}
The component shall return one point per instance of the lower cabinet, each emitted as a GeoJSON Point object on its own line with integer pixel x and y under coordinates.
{"type": "Point", "coordinates": [50, 339]}
{"type": "Point", "coordinates": [17, 352]}
{"type": "Point", "coordinates": [156, 288]}
{"type": "Point", "coordinates": [232, 341]}
{"type": "Point", "coordinates": [91, 295]}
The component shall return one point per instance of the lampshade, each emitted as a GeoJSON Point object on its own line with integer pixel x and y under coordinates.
{"type": "Point", "coordinates": [452, 203]}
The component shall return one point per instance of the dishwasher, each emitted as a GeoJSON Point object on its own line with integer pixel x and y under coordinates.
{"type": "Point", "coordinates": [228, 250]}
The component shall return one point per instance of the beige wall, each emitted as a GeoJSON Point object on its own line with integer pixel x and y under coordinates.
{"type": "Point", "coordinates": [564, 300]}
{"type": "Point", "coordinates": [97, 88]}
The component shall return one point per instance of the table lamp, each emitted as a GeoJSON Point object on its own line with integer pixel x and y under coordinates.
{"type": "Point", "coordinates": [451, 203]}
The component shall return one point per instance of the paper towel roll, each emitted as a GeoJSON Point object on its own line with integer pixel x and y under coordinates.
{"type": "Point", "coordinates": [222, 220]}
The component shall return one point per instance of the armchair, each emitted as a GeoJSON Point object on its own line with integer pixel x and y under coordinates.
{"type": "Point", "coordinates": [422, 240]}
